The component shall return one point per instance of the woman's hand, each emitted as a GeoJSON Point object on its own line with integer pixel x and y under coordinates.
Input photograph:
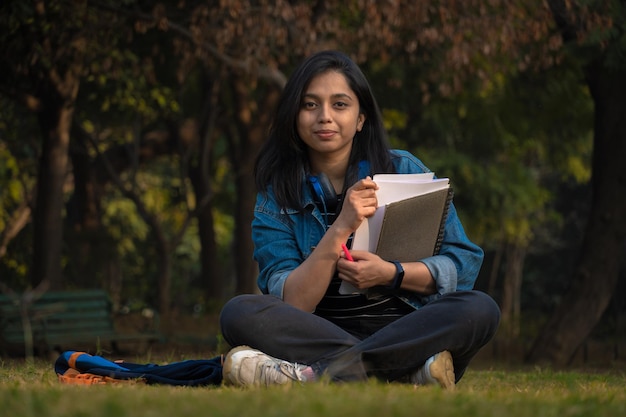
{"type": "Point", "coordinates": [366, 271]}
{"type": "Point", "coordinates": [360, 203]}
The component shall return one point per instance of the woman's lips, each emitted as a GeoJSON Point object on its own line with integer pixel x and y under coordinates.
{"type": "Point", "coordinates": [325, 134]}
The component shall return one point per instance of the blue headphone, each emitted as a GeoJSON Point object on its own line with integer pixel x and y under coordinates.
{"type": "Point", "coordinates": [324, 191]}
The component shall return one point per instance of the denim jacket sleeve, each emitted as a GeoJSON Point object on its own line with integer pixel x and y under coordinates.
{"type": "Point", "coordinates": [282, 240]}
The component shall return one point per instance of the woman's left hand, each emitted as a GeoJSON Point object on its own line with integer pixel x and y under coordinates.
{"type": "Point", "coordinates": [366, 271]}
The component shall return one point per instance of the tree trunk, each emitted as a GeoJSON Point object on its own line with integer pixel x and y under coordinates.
{"type": "Point", "coordinates": [86, 240]}
{"type": "Point", "coordinates": [512, 289]}
{"type": "Point", "coordinates": [199, 173]}
{"type": "Point", "coordinates": [212, 274]}
{"type": "Point", "coordinates": [245, 266]}
{"type": "Point", "coordinates": [164, 279]}
{"type": "Point", "coordinates": [495, 269]}
{"type": "Point", "coordinates": [252, 130]}
{"type": "Point", "coordinates": [55, 120]}
{"type": "Point", "coordinates": [597, 273]}
{"type": "Point", "coordinates": [56, 75]}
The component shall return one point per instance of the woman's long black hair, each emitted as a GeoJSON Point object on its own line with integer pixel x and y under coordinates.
{"type": "Point", "coordinates": [283, 160]}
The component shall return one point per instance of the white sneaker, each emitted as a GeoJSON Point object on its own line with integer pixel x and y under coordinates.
{"type": "Point", "coordinates": [438, 369]}
{"type": "Point", "coordinates": [244, 366]}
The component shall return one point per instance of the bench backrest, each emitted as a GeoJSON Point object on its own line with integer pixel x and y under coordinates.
{"type": "Point", "coordinates": [57, 316]}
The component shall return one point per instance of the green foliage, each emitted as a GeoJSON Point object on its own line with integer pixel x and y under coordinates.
{"type": "Point", "coordinates": [501, 143]}
{"type": "Point", "coordinates": [122, 85]}
{"type": "Point", "coordinates": [18, 157]}
{"type": "Point", "coordinates": [394, 119]}
{"type": "Point", "coordinates": [123, 224]}
{"type": "Point", "coordinates": [604, 36]}
{"type": "Point", "coordinates": [11, 192]}
{"type": "Point", "coordinates": [164, 196]}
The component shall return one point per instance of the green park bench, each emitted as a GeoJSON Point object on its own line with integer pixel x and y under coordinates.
{"type": "Point", "coordinates": [67, 320]}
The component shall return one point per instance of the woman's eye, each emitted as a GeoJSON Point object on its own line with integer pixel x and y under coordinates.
{"type": "Point", "coordinates": [308, 105]}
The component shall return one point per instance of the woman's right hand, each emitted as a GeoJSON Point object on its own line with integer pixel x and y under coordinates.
{"type": "Point", "coordinates": [360, 203]}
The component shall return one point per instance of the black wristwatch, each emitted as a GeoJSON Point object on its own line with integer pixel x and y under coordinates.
{"type": "Point", "coordinates": [397, 280]}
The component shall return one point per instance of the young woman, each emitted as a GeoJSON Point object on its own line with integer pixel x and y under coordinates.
{"type": "Point", "coordinates": [315, 188]}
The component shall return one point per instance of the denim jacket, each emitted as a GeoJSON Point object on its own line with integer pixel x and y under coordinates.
{"type": "Point", "coordinates": [284, 239]}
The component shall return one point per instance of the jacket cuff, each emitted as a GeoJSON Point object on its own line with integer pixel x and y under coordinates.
{"type": "Point", "coordinates": [444, 273]}
{"type": "Point", "coordinates": [276, 284]}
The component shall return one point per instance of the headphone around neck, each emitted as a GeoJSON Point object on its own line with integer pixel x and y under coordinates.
{"type": "Point", "coordinates": [324, 191]}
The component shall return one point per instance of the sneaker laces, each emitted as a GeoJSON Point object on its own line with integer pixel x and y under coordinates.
{"type": "Point", "coordinates": [272, 371]}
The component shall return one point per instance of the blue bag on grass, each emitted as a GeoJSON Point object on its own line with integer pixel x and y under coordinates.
{"type": "Point", "coordinates": [82, 368]}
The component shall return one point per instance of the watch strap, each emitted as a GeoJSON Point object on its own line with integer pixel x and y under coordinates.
{"type": "Point", "coordinates": [397, 279]}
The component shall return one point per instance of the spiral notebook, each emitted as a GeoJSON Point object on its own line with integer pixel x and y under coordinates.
{"type": "Point", "coordinates": [410, 220]}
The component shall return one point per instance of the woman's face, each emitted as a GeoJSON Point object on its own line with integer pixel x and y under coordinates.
{"type": "Point", "coordinates": [329, 116]}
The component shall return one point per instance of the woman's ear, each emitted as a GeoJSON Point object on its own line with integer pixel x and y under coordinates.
{"type": "Point", "coordinates": [360, 121]}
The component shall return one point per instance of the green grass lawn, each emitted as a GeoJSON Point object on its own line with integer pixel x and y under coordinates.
{"type": "Point", "coordinates": [33, 390]}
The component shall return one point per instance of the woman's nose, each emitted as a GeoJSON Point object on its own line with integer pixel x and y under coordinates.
{"type": "Point", "coordinates": [325, 114]}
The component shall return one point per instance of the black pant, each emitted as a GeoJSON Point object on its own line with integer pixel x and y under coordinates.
{"type": "Point", "coordinates": [460, 322]}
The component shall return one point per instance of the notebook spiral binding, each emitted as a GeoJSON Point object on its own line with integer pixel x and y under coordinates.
{"type": "Point", "coordinates": [442, 226]}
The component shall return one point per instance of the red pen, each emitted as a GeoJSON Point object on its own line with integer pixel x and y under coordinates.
{"type": "Point", "coordinates": [347, 252]}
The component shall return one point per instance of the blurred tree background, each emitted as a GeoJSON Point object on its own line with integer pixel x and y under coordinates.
{"type": "Point", "coordinates": [129, 129]}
